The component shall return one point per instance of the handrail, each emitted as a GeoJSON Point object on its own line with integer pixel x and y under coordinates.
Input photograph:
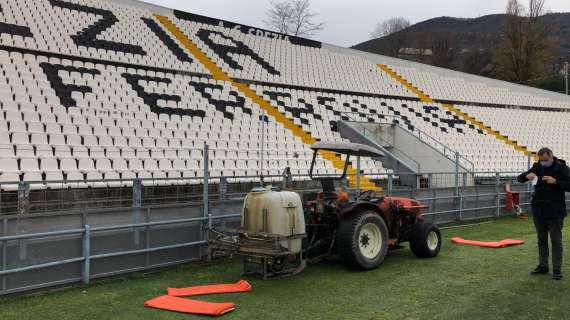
{"type": "Point", "coordinates": [470, 166]}
{"type": "Point", "coordinates": [418, 133]}
{"type": "Point", "coordinates": [199, 179]}
{"type": "Point", "coordinates": [401, 153]}
{"type": "Point", "coordinates": [411, 162]}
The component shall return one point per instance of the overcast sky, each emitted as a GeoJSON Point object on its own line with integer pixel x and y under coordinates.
{"type": "Point", "coordinates": [350, 22]}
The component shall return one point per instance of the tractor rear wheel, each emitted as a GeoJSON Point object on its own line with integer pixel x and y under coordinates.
{"type": "Point", "coordinates": [362, 240]}
{"type": "Point", "coordinates": [426, 240]}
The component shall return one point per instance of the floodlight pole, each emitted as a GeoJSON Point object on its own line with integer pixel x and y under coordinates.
{"type": "Point", "coordinates": [262, 145]}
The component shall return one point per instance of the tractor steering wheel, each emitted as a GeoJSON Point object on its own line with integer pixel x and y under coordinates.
{"type": "Point", "coordinates": [366, 195]}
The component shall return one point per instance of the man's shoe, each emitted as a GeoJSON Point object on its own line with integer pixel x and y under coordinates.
{"type": "Point", "coordinates": [557, 275]}
{"type": "Point", "coordinates": [539, 270]}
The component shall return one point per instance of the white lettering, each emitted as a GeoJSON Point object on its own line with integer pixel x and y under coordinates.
{"type": "Point", "coordinates": [258, 32]}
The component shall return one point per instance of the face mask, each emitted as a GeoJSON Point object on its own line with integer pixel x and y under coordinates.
{"type": "Point", "coordinates": [546, 163]}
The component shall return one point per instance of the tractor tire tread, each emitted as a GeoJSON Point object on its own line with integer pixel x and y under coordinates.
{"type": "Point", "coordinates": [348, 248]}
{"type": "Point", "coordinates": [418, 243]}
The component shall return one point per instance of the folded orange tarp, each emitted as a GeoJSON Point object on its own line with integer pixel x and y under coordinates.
{"type": "Point", "coordinates": [240, 286]}
{"type": "Point", "coordinates": [487, 244]}
{"type": "Point", "coordinates": [190, 306]}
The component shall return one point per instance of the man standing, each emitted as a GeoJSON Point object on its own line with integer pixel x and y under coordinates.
{"type": "Point", "coordinates": [550, 178]}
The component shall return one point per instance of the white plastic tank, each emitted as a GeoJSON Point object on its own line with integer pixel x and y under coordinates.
{"type": "Point", "coordinates": [277, 213]}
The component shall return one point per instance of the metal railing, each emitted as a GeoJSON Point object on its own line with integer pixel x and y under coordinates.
{"type": "Point", "coordinates": [455, 205]}
{"type": "Point", "coordinates": [398, 154]}
{"type": "Point", "coordinates": [46, 196]}
{"type": "Point", "coordinates": [27, 197]}
{"type": "Point", "coordinates": [442, 148]}
{"type": "Point", "coordinates": [207, 201]}
{"type": "Point", "coordinates": [87, 234]}
{"type": "Point", "coordinates": [445, 204]}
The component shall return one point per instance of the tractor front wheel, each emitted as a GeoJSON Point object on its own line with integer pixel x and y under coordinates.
{"type": "Point", "coordinates": [362, 240]}
{"type": "Point", "coordinates": [426, 240]}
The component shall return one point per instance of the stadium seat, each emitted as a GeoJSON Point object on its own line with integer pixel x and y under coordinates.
{"type": "Point", "coordinates": [54, 180]}
{"type": "Point", "coordinates": [133, 102]}
{"type": "Point", "coordinates": [34, 179]}
{"type": "Point", "coordinates": [9, 181]}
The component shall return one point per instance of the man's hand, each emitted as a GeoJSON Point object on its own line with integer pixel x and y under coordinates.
{"type": "Point", "coordinates": [530, 176]}
{"type": "Point", "coordinates": [549, 179]}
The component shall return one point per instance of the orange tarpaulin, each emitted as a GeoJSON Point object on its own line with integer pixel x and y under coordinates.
{"type": "Point", "coordinates": [173, 302]}
{"type": "Point", "coordinates": [190, 306]}
{"type": "Point", "coordinates": [240, 286]}
{"type": "Point", "coordinates": [487, 244]}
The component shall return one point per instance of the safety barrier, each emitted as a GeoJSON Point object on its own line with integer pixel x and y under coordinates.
{"type": "Point", "coordinates": [96, 241]}
{"type": "Point", "coordinates": [46, 248]}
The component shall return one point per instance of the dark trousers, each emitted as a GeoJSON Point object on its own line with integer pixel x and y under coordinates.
{"type": "Point", "coordinates": [544, 227]}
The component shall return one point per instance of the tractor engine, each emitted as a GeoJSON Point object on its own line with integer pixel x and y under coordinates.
{"type": "Point", "coordinates": [401, 215]}
{"type": "Point", "coordinates": [321, 214]}
{"type": "Point", "coordinates": [326, 203]}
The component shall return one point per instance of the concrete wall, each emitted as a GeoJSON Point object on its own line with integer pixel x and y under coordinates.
{"type": "Point", "coordinates": [426, 156]}
{"type": "Point", "coordinates": [404, 150]}
{"type": "Point", "coordinates": [382, 137]}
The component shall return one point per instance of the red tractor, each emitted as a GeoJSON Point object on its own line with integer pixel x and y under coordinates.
{"type": "Point", "coordinates": [280, 233]}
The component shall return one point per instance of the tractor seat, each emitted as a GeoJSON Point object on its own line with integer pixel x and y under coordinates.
{"type": "Point", "coordinates": [377, 200]}
{"type": "Point", "coordinates": [328, 185]}
{"type": "Point", "coordinates": [327, 196]}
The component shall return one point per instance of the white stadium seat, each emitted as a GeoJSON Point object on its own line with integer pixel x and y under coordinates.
{"type": "Point", "coordinates": [76, 111]}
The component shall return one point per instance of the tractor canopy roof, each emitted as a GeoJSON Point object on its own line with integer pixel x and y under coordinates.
{"type": "Point", "coordinates": [349, 148]}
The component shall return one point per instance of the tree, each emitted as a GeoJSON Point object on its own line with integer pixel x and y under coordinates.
{"type": "Point", "coordinates": [526, 46]}
{"type": "Point", "coordinates": [423, 45]}
{"type": "Point", "coordinates": [393, 30]}
{"type": "Point", "coordinates": [479, 62]}
{"type": "Point", "coordinates": [293, 17]}
{"type": "Point", "coordinates": [388, 27]}
{"type": "Point", "coordinates": [279, 17]}
{"type": "Point", "coordinates": [443, 49]}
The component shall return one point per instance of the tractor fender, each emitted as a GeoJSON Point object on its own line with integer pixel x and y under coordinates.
{"type": "Point", "coordinates": [358, 206]}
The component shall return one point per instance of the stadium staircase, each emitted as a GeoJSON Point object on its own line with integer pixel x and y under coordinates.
{"type": "Point", "coordinates": [427, 99]}
{"type": "Point", "coordinates": [219, 74]}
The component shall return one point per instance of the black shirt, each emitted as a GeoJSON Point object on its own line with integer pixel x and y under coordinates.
{"type": "Point", "coordinates": [549, 200]}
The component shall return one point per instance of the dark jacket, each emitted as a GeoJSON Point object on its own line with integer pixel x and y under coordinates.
{"type": "Point", "coordinates": [549, 200]}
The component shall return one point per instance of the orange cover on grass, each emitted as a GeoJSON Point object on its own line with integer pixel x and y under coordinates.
{"type": "Point", "coordinates": [487, 244]}
{"type": "Point", "coordinates": [190, 306]}
{"type": "Point", "coordinates": [240, 286]}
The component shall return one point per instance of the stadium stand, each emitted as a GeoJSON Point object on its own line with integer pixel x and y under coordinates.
{"type": "Point", "coordinates": [104, 90]}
